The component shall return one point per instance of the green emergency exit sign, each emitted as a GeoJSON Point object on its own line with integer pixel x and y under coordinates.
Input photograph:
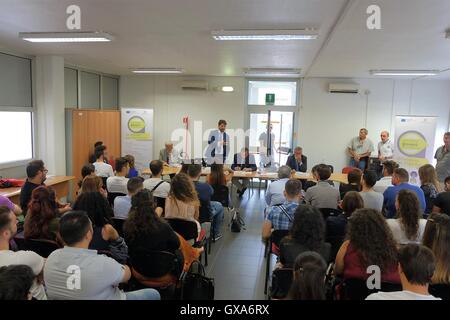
{"type": "Point", "coordinates": [270, 99]}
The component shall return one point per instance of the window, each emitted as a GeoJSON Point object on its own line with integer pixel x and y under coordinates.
{"type": "Point", "coordinates": [16, 132]}
{"type": "Point", "coordinates": [285, 92]}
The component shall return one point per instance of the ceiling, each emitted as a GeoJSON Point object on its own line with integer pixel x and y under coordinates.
{"type": "Point", "coordinates": [176, 33]}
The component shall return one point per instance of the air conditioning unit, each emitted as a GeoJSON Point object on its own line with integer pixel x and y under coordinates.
{"type": "Point", "coordinates": [194, 85]}
{"type": "Point", "coordinates": [343, 88]}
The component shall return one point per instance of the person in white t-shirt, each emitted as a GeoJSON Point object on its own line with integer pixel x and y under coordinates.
{"type": "Point", "coordinates": [8, 228]}
{"type": "Point", "coordinates": [118, 183]}
{"type": "Point", "coordinates": [416, 268]}
{"type": "Point", "coordinates": [102, 169]}
{"type": "Point", "coordinates": [155, 184]}
{"type": "Point", "coordinates": [388, 171]}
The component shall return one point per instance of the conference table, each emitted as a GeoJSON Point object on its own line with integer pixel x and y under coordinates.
{"type": "Point", "coordinates": [265, 175]}
{"type": "Point", "coordinates": [61, 185]}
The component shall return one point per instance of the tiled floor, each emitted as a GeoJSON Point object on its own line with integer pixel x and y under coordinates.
{"type": "Point", "coordinates": [237, 261]}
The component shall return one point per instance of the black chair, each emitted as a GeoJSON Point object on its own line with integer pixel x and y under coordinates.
{"type": "Point", "coordinates": [205, 218]}
{"type": "Point", "coordinates": [275, 239]}
{"type": "Point", "coordinates": [42, 247]}
{"type": "Point", "coordinates": [161, 202]}
{"type": "Point", "coordinates": [281, 283]}
{"type": "Point", "coordinates": [113, 195]}
{"type": "Point", "coordinates": [104, 182]}
{"type": "Point", "coordinates": [356, 289]}
{"type": "Point", "coordinates": [222, 195]}
{"type": "Point", "coordinates": [188, 230]}
{"type": "Point", "coordinates": [440, 290]}
{"type": "Point", "coordinates": [331, 168]}
{"type": "Point", "coordinates": [328, 212]}
{"type": "Point", "coordinates": [118, 225]}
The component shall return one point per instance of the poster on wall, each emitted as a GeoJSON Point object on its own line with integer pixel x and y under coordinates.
{"type": "Point", "coordinates": [414, 143]}
{"type": "Point", "coordinates": [137, 135]}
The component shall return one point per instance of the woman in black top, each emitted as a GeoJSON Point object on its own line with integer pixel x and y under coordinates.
{"type": "Point", "coordinates": [354, 182]}
{"type": "Point", "coordinates": [307, 234]}
{"type": "Point", "coordinates": [429, 185]}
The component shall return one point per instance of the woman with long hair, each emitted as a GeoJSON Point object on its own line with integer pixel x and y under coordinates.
{"type": "Point", "coordinates": [430, 186]}
{"type": "Point", "coordinates": [309, 277]}
{"type": "Point", "coordinates": [409, 226]}
{"type": "Point", "coordinates": [105, 237]}
{"type": "Point", "coordinates": [41, 221]}
{"type": "Point", "coordinates": [437, 238]}
{"type": "Point", "coordinates": [131, 161]}
{"type": "Point", "coordinates": [369, 242]}
{"type": "Point", "coordinates": [93, 184]}
{"type": "Point", "coordinates": [306, 234]}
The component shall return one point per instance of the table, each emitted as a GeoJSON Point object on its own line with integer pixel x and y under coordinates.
{"type": "Point", "coordinates": [61, 184]}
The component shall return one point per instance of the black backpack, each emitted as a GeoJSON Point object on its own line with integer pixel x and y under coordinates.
{"type": "Point", "coordinates": [195, 285]}
{"type": "Point", "coordinates": [237, 223]}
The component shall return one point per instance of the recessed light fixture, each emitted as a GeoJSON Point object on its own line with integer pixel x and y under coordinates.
{"type": "Point", "coordinates": [53, 37]}
{"type": "Point", "coordinates": [272, 72]}
{"type": "Point", "coordinates": [227, 89]}
{"type": "Point", "coordinates": [404, 72]}
{"type": "Point", "coordinates": [157, 71]}
{"type": "Point", "coordinates": [299, 34]}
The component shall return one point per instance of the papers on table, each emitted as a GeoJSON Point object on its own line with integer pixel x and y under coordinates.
{"type": "Point", "coordinates": [302, 175]}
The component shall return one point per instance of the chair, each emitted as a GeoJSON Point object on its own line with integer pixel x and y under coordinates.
{"type": "Point", "coordinates": [347, 170]}
{"type": "Point", "coordinates": [327, 212]}
{"type": "Point", "coordinates": [188, 230]}
{"type": "Point", "coordinates": [356, 289]}
{"type": "Point", "coordinates": [331, 168]}
{"type": "Point", "coordinates": [273, 247]}
{"type": "Point", "coordinates": [281, 283]}
{"type": "Point", "coordinates": [104, 182]}
{"type": "Point", "coordinates": [42, 247]}
{"type": "Point", "coordinates": [113, 195]}
{"type": "Point", "coordinates": [118, 225]}
{"type": "Point", "coordinates": [161, 202]}
{"type": "Point", "coordinates": [222, 195]}
{"type": "Point", "coordinates": [440, 290]}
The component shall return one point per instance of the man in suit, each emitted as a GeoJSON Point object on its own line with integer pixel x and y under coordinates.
{"type": "Point", "coordinates": [168, 155]}
{"type": "Point", "coordinates": [218, 144]}
{"type": "Point", "coordinates": [297, 161]}
{"type": "Point", "coordinates": [243, 161]}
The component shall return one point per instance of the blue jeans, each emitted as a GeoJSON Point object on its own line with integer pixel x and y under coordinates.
{"type": "Point", "coordinates": [144, 294]}
{"type": "Point", "coordinates": [361, 164]}
{"type": "Point", "coordinates": [216, 217]}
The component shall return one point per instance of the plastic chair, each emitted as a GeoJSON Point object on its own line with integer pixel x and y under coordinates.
{"type": "Point", "coordinates": [347, 170]}
{"type": "Point", "coordinates": [327, 212]}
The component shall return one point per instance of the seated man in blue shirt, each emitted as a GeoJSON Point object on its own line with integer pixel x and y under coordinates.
{"type": "Point", "coordinates": [281, 217]}
{"type": "Point", "coordinates": [400, 180]}
{"type": "Point", "coordinates": [122, 204]}
{"type": "Point", "coordinates": [205, 192]}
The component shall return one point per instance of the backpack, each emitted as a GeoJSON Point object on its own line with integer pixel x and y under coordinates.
{"type": "Point", "coordinates": [195, 285]}
{"type": "Point", "coordinates": [237, 223]}
{"type": "Point", "coordinates": [9, 183]}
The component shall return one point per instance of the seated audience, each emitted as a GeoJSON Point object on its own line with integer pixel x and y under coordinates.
{"type": "Point", "coordinates": [118, 183]}
{"type": "Point", "coordinates": [323, 195]}
{"type": "Point", "coordinates": [131, 161]}
{"type": "Point", "coordinates": [371, 198]}
{"type": "Point", "coordinates": [354, 182]}
{"type": "Point", "coordinates": [183, 201]}
{"type": "Point", "coordinates": [369, 242]}
{"type": "Point", "coordinates": [93, 184]}
{"type": "Point", "coordinates": [310, 183]}
{"type": "Point", "coordinates": [281, 217]}
{"type": "Point", "coordinates": [386, 181]}
{"type": "Point", "coordinates": [243, 161]}
{"type": "Point", "coordinates": [442, 202]}
{"type": "Point", "coordinates": [105, 237]}
{"type": "Point", "coordinates": [8, 229]}
{"type": "Point", "coordinates": [437, 238]}
{"type": "Point", "coordinates": [156, 184]}
{"type": "Point", "coordinates": [102, 169]}
{"type": "Point", "coordinates": [336, 225]}
{"type": "Point", "coordinates": [429, 185]}
{"type": "Point", "coordinates": [416, 267]}
{"type": "Point", "coordinates": [42, 219]}
{"type": "Point", "coordinates": [409, 226]}
{"type": "Point", "coordinates": [122, 204]}
{"type": "Point", "coordinates": [274, 193]}
{"type": "Point", "coordinates": [98, 275]}
{"type": "Point", "coordinates": [400, 181]}
{"type": "Point", "coordinates": [297, 161]}
{"type": "Point", "coordinates": [218, 179]}
{"type": "Point", "coordinates": [87, 170]}
{"type": "Point", "coordinates": [309, 277]}
{"type": "Point", "coordinates": [307, 234]}
{"type": "Point", "coordinates": [16, 282]}
{"type": "Point", "coordinates": [92, 157]}
{"type": "Point", "coordinates": [36, 175]}
{"type": "Point", "coordinates": [205, 192]}
{"type": "Point", "coordinates": [4, 201]}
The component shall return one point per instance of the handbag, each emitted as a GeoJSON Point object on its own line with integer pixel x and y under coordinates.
{"type": "Point", "coordinates": [195, 285]}
{"type": "Point", "coordinates": [237, 223]}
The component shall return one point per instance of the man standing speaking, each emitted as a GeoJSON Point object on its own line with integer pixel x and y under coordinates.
{"type": "Point", "coordinates": [218, 144]}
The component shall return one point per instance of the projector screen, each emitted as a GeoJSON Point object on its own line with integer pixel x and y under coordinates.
{"type": "Point", "coordinates": [16, 142]}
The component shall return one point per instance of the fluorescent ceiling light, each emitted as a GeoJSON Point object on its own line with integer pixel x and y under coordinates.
{"type": "Point", "coordinates": [272, 72]}
{"type": "Point", "coordinates": [303, 34]}
{"type": "Point", "coordinates": [85, 36]}
{"type": "Point", "coordinates": [404, 72]}
{"type": "Point", "coordinates": [157, 71]}
{"type": "Point", "coordinates": [227, 89]}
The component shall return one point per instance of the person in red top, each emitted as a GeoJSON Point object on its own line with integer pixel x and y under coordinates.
{"type": "Point", "coordinates": [369, 243]}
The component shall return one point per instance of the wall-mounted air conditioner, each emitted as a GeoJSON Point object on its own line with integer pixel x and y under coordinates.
{"type": "Point", "coordinates": [343, 88]}
{"type": "Point", "coordinates": [194, 85]}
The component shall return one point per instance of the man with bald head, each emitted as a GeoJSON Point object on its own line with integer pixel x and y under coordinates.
{"type": "Point", "coordinates": [168, 155]}
{"type": "Point", "coordinates": [385, 152]}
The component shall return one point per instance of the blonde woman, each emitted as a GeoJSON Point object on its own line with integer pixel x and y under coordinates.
{"type": "Point", "coordinates": [430, 186]}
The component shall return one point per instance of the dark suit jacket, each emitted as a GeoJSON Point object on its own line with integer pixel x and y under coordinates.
{"type": "Point", "coordinates": [292, 163]}
{"type": "Point", "coordinates": [211, 150]}
{"type": "Point", "coordinates": [248, 163]}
